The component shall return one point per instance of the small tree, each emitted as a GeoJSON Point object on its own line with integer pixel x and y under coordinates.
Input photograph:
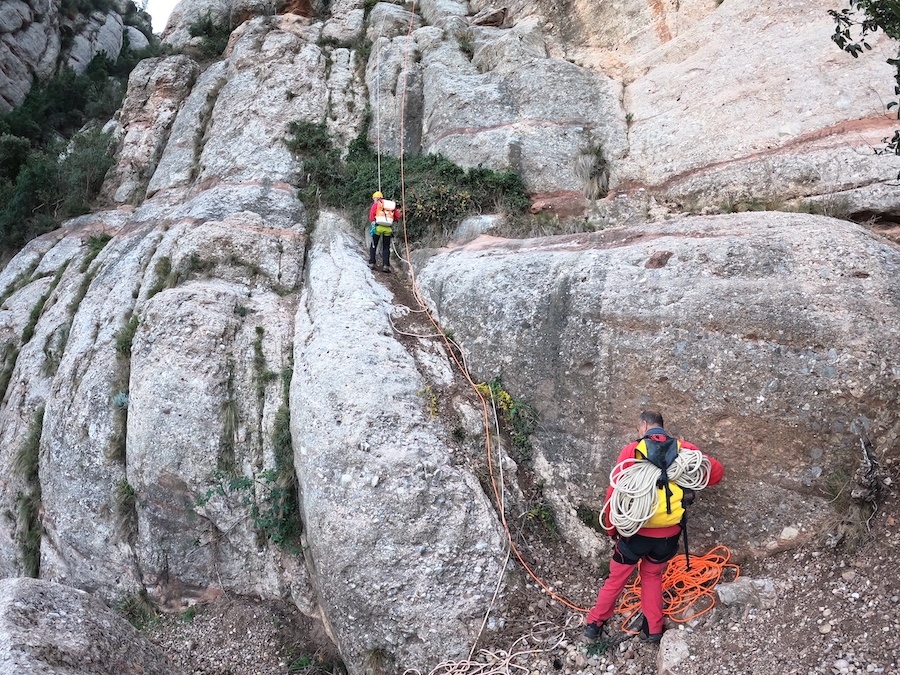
{"type": "Point", "coordinates": [853, 25]}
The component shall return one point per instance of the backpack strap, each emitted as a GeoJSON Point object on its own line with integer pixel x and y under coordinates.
{"type": "Point", "coordinates": [661, 454]}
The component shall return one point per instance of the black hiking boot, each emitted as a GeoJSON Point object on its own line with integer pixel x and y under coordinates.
{"type": "Point", "coordinates": [386, 268]}
{"type": "Point", "coordinates": [592, 630]}
{"type": "Point", "coordinates": [646, 636]}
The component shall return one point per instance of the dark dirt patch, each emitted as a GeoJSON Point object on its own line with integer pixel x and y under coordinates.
{"type": "Point", "coordinates": [245, 636]}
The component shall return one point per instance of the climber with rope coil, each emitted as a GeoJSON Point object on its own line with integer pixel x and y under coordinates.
{"type": "Point", "coordinates": [651, 483]}
{"type": "Point", "coordinates": [382, 215]}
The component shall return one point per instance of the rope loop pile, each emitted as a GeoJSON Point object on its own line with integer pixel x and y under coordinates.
{"type": "Point", "coordinates": [635, 497]}
{"type": "Point", "coordinates": [688, 592]}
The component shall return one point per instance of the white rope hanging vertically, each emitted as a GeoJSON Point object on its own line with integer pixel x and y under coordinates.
{"type": "Point", "coordinates": [378, 98]}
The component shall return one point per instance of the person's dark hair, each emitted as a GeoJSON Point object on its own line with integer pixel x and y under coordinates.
{"type": "Point", "coordinates": [653, 418]}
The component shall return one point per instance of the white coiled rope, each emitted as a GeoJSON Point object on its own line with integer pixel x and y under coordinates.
{"type": "Point", "coordinates": [635, 497]}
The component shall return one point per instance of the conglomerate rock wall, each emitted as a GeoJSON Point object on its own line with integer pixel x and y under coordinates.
{"type": "Point", "coordinates": [174, 364]}
{"type": "Point", "coordinates": [38, 37]}
{"type": "Point", "coordinates": [761, 336]}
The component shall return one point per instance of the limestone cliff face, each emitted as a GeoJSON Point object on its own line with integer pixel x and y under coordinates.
{"type": "Point", "coordinates": [175, 365]}
{"type": "Point", "coordinates": [37, 37]}
{"type": "Point", "coordinates": [683, 104]}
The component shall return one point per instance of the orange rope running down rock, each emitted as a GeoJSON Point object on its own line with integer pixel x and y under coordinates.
{"type": "Point", "coordinates": [681, 589]}
{"type": "Point", "coordinates": [687, 593]}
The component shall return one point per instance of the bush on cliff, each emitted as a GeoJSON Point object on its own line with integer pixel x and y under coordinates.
{"type": "Point", "coordinates": [438, 193]}
{"type": "Point", "coordinates": [213, 37]}
{"type": "Point", "coordinates": [49, 170]}
{"type": "Point", "coordinates": [853, 25]}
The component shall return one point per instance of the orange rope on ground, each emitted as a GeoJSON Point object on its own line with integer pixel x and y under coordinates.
{"type": "Point", "coordinates": [684, 590]}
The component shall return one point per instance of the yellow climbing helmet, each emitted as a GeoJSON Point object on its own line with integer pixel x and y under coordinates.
{"type": "Point", "coordinates": [377, 195]}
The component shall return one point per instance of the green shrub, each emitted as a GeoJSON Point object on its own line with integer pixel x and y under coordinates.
{"type": "Point", "coordinates": [164, 276]}
{"type": "Point", "coordinates": [124, 339]}
{"type": "Point", "coordinates": [26, 462]}
{"type": "Point", "coordinates": [28, 524]}
{"type": "Point", "coordinates": [519, 418]}
{"type": "Point", "coordinates": [270, 498]}
{"type": "Point", "coordinates": [125, 500]}
{"type": "Point", "coordinates": [281, 439]}
{"type": "Point", "coordinates": [95, 243]}
{"type": "Point", "coordinates": [57, 183]}
{"type": "Point", "coordinates": [13, 155]}
{"type": "Point", "coordinates": [47, 171]}
{"type": "Point", "coordinates": [225, 462]}
{"type": "Point", "coordinates": [125, 336]}
{"type": "Point", "coordinates": [538, 512]}
{"type": "Point", "coordinates": [138, 610]}
{"type": "Point", "coordinates": [541, 513]}
{"type": "Point", "coordinates": [466, 44]}
{"type": "Point", "coordinates": [214, 37]}
{"type": "Point", "coordinates": [28, 503]}
{"type": "Point", "coordinates": [10, 356]}
{"type": "Point", "coordinates": [439, 193]}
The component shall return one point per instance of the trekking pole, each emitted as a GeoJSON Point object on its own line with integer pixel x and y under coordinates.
{"type": "Point", "coordinates": [687, 498]}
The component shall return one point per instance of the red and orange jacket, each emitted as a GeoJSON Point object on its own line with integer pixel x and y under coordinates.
{"type": "Point", "coordinates": [716, 471]}
{"type": "Point", "coordinates": [376, 205]}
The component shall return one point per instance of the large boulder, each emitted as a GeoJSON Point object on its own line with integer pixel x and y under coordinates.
{"type": "Point", "coordinates": [406, 548]}
{"type": "Point", "coordinates": [95, 345]}
{"type": "Point", "coordinates": [764, 338]}
{"type": "Point", "coordinates": [56, 630]}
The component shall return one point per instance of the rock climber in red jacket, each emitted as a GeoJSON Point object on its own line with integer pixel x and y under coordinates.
{"type": "Point", "coordinates": [649, 537]}
{"type": "Point", "coordinates": [382, 217]}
